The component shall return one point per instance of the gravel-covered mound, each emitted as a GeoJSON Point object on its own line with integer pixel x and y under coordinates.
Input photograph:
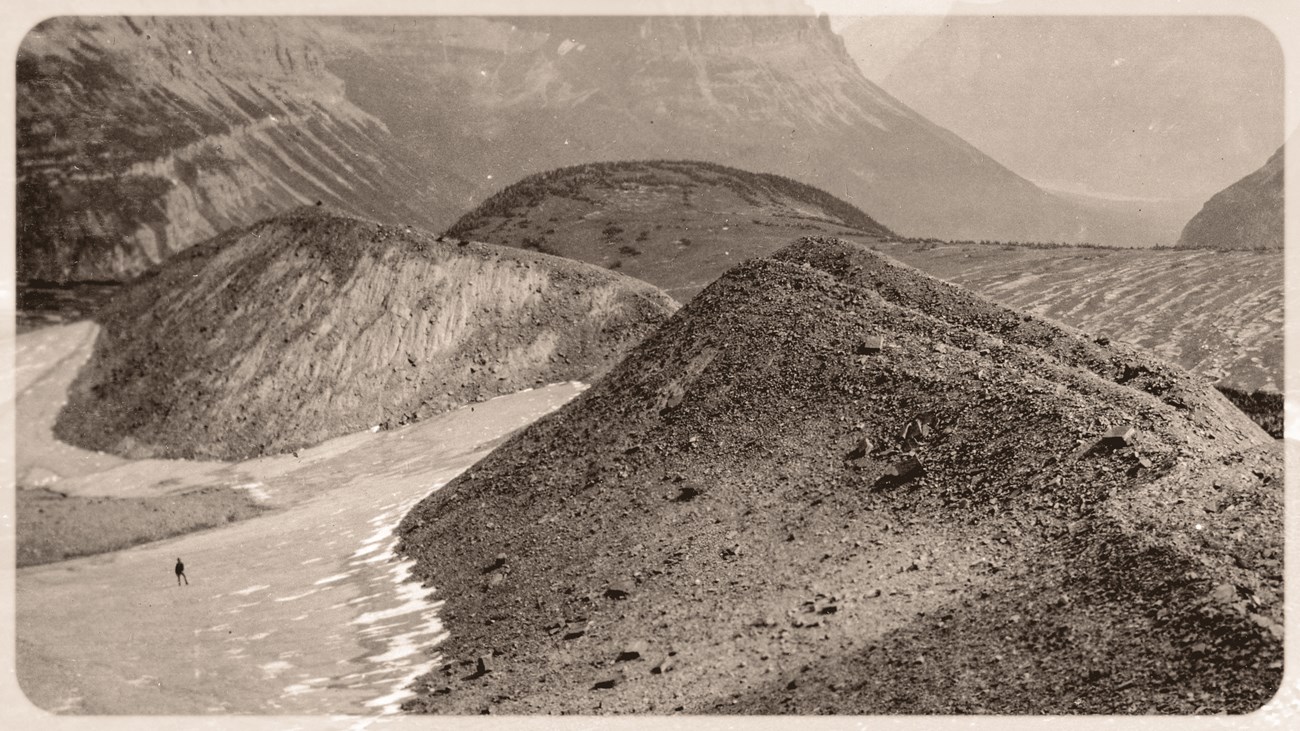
{"type": "Point", "coordinates": [677, 224]}
{"type": "Point", "coordinates": [310, 325]}
{"type": "Point", "coordinates": [832, 484]}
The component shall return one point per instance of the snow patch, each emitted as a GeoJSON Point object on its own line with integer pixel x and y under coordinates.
{"type": "Point", "coordinates": [251, 589]}
{"type": "Point", "coordinates": [296, 596]}
{"type": "Point", "coordinates": [273, 669]}
{"type": "Point", "coordinates": [255, 491]}
{"type": "Point", "coordinates": [417, 626]}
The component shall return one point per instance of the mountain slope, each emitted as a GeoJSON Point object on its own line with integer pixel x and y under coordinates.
{"type": "Point", "coordinates": [768, 94]}
{"type": "Point", "coordinates": [310, 325]}
{"type": "Point", "coordinates": [140, 137]}
{"type": "Point", "coordinates": [675, 224]}
{"type": "Point", "coordinates": [832, 484]}
{"type": "Point", "coordinates": [1246, 215]}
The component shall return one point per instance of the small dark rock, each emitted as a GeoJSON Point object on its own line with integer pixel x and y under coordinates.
{"type": "Point", "coordinates": [619, 590]}
{"type": "Point", "coordinates": [633, 651]}
{"type": "Point", "coordinates": [687, 493]}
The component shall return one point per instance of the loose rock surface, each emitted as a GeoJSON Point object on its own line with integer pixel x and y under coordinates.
{"type": "Point", "coordinates": [1001, 559]}
{"type": "Point", "coordinates": [310, 325]}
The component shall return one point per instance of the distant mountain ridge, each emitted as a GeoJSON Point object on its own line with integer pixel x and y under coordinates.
{"type": "Point", "coordinates": [685, 88]}
{"type": "Point", "coordinates": [1246, 215]}
{"type": "Point", "coordinates": [139, 137]}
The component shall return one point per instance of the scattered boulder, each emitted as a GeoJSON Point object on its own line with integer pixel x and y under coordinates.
{"type": "Point", "coordinates": [619, 590]}
{"type": "Point", "coordinates": [665, 663]}
{"type": "Point", "coordinates": [1119, 436]}
{"type": "Point", "coordinates": [576, 630]}
{"type": "Point", "coordinates": [871, 345]}
{"type": "Point", "coordinates": [861, 449]}
{"type": "Point", "coordinates": [632, 651]}
{"type": "Point", "coordinates": [903, 468]}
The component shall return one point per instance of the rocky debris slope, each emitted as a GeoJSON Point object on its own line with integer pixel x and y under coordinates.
{"type": "Point", "coordinates": [1246, 215]}
{"type": "Point", "coordinates": [310, 325]}
{"type": "Point", "coordinates": [676, 224]}
{"type": "Point", "coordinates": [832, 484]}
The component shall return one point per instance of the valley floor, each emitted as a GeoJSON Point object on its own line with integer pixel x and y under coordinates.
{"type": "Point", "coordinates": [303, 609]}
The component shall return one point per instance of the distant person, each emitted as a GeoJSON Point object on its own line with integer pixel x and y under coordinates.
{"type": "Point", "coordinates": [180, 573]}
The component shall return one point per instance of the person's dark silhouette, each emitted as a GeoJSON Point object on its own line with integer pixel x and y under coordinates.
{"type": "Point", "coordinates": [180, 573]}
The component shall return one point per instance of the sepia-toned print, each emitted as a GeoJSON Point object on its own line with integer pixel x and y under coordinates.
{"type": "Point", "coordinates": [794, 363]}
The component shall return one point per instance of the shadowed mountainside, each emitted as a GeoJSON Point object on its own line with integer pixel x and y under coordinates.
{"type": "Point", "coordinates": [310, 325]}
{"type": "Point", "coordinates": [675, 224]}
{"type": "Point", "coordinates": [832, 484]}
{"type": "Point", "coordinates": [140, 137]}
{"type": "Point", "coordinates": [1246, 215]}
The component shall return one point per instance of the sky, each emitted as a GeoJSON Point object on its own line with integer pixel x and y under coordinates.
{"type": "Point", "coordinates": [1146, 108]}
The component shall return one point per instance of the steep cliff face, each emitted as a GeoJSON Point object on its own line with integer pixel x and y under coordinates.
{"type": "Point", "coordinates": [139, 137]}
{"type": "Point", "coordinates": [1246, 215]}
{"type": "Point", "coordinates": [310, 325]}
